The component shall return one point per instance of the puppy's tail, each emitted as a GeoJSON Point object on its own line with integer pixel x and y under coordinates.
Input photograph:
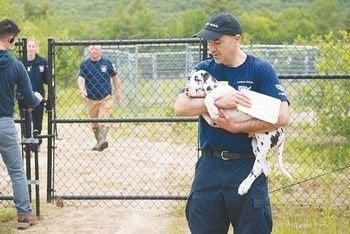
{"type": "Point", "coordinates": [280, 148]}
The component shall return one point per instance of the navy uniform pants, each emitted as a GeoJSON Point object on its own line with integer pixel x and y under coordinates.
{"type": "Point", "coordinates": [36, 116]}
{"type": "Point", "coordinates": [214, 202]}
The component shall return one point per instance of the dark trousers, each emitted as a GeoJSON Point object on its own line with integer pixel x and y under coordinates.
{"type": "Point", "coordinates": [214, 202]}
{"type": "Point", "coordinates": [36, 119]}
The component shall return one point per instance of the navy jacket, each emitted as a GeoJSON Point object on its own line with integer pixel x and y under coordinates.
{"type": "Point", "coordinates": [12, 74]}
{"type": "Point", "coordinates": [37, 71]}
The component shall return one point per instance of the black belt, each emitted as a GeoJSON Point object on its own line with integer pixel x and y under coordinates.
{"type": "Point", "coordinates": [226, 155]}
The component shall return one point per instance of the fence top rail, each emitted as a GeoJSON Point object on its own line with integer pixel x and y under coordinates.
{"type": "Point", "coordinates": [130, 120]}
{"type": "Point", "coordinates": [128, 42]}
{"type": "Point", "coordinates": [314, 76]}
{"type": "Point", "coordinates": [278, 46]}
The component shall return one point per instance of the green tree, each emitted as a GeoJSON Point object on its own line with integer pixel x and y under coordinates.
{"type": "Point", "coordinates": [41, 23]}
{"type": "Point", "coordinates": [293, 22]}
{"type": "Point", "coordinates": [258, 27]}
{"type": "Point", "coordinates": [213, 6]}
{"type": "Point", "coordinates": [135, 20]}
{"type": "Point", "coordinates": [324, 15]}
{"type": "Point", "coordinates": [335, 59]}
{"type": "Point", "coordinates": [346, 21]}
{"type": "Point", "coordinates": [188, 23]}
{"type": "Point", "coordinates": [333, 109]}
{"type": "Point", "coordinates": [35, 10]}
{"type": "Point", "coordinates": [13, 11]}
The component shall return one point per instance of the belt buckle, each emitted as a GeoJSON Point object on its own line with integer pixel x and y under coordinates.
{"type": "Point", "coordinates": [222, 155]}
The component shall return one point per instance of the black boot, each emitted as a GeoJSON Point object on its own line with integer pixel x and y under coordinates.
{"type": "Point", "coordinates": [97, 137]}
{"type": "Point", "coordinates": [103, 144]}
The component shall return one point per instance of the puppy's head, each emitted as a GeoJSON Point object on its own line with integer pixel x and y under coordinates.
{"type": "Point", "coordinates": [197, 84]}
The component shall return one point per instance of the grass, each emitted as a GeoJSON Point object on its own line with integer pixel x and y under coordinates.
{"type": "Point", "coordinates": [7, 220]}
{"type": "Point", "coordinates": [308, 220]}
{"type": "Point", "coordinates": [6, 214]}
{"type": "Point", "coordinates": [145, 101]}
{"type": "Point", "coordinates": [179, 223]}
{"type": "Point", "coordinates": [287, 220]}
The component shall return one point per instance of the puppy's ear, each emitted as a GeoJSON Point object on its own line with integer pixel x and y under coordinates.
{"type": "Point", "coordinates": [190, 75]}
{"type": "Point", "coordinates": [205, 75]}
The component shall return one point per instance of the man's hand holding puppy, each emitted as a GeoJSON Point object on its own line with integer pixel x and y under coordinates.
{"type": "Point", "coordinates": [232, 99]}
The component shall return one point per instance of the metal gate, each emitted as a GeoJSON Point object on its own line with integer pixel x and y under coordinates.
{"type": "Point", "coordinates": [151, 154]}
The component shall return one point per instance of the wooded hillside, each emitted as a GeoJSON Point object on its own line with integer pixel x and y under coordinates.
{"type": "Point", "coordinates": [262, 20]}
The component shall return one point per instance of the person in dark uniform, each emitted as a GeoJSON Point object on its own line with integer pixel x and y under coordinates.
{"type": "Point", "coordinates": [226, 151]}
{"type": "Point", "coordinates": [38, 73]}
{"type": "Point", "coordinates": [96, 81]}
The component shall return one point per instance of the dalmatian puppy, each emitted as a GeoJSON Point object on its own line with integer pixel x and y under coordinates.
{"type": "Point", "coordinates": [202, 84]}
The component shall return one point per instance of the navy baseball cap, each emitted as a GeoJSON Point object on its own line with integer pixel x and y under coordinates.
{"type": "Point", "coordinates": [220, 24]}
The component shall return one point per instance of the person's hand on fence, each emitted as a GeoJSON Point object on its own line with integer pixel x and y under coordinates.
{"type": "Point", "coordinates": [38, 96]}
{"type": "Point", "coordinates": [83, 93]}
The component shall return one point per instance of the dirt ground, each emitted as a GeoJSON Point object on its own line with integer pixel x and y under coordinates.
{"type": "Point", "coordinates": [128, 219]}
{"type": "Point", "coordinates": [101, 220]}
{"type": "Point", "coordinates": [124, 220]}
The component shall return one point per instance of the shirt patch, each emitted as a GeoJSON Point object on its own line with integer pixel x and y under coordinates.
{"type": "Point", "coordinates": [104, 68]}
{"type": "Point", "coordinates": [41, 68]}
{"type": "Point", "coordinates": [282, 94]}
{"type": "Point", "coordinates": [241, 87]}
{"type": "Point", "coordinates": [245, 82]}
{"type": "Point", "coordinates": [279, 87]}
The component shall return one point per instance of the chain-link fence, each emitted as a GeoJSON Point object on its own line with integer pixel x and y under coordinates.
{"type": "Point", "coordinates": [152, 154]}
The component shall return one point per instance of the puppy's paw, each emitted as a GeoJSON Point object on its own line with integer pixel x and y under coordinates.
{"type": "Point", "coordinates": [245, 185]}
{"type": "Point", "coordinates": [243, 189]}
